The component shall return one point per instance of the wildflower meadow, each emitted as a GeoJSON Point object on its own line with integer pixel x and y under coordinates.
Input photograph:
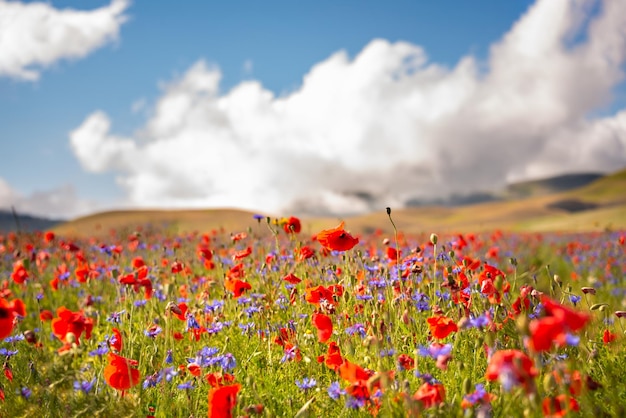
{"type": "Point", "coordinates": [273, 321]}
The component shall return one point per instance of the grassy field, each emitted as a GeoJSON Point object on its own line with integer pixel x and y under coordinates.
{"type": "Point", "coordinates": [226, 313]}
{"type": "Point", "coordinates": [267, 321]}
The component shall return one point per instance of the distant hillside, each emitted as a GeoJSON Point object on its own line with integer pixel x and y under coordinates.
{"type": "Point", "coordinates": [550, 185]}
{"type": "Point", "coordinates": [27, 223]}
{"type": "Point", "coordinates": [598, 205]}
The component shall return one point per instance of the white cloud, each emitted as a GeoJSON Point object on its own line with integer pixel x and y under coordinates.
{"type": "Point", "coordinates": [36, 35]}
{"type": "Point", "coordinates": [383, 127]}
{"type": "Point", "coordinates": [59, 203]}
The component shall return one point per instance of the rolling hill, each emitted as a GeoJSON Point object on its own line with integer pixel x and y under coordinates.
{"type": "Point", "coordinates": [597, 205]}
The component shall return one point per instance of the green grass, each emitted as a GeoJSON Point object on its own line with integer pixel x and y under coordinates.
{"type": "Point", "coordinates": [389, 321]}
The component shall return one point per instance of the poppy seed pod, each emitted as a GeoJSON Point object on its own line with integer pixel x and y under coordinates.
{"type": "Point", "coordinates": [588, 290]}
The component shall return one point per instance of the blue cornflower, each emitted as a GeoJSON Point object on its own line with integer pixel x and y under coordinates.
{"type": "Point", "coordinates": [387, 353]}
{"type": "Point", "coordinates": [289, 354]}
{"type": "Point", "coordinates": [7, 353]}
{"type": "Point", "coordinates": [139, 303]}
{"type": "Point", "coordinates": [14, 338]}
{"type": "Point", "coordinates": [168, 373]}
{"type": "Point", "coordinates": [435, 351]}
{"type": "Point", "coordinates": [251, 310]}
{"type": "Point", "coordinates": [101, 350]}
{"type": "Point", "coordinates": [153, 331]}
{"type": "Point", "coordinates": [25, 392]}
{"type": "Point", "coordinates": [306, 383]}
{"type": "Point", "coordinates": [191, 322]}
{"type": "Point", "coordinates": [228, 362]}
{"type": "Point", "coordinates": [169, 359]}
{"type": "Point", "coordinates": [575, 299]}
{"type": "Point", "coordinates": [355, 403]}
{"type": "Point", "coordinates": [421, 301]}
{"type": "Point", "coordinates": [335, 391]}
{"type": "Point", "coordinates": [478, 322]}
{"type": "Point", "coordinates": [356, 328]}
{"type": "Point", "coordinates": [151, 381]}
{"type": "Point", "coordinates": [186, 385]}
{"type": "Point", "coordinates": [478, 394]}
{"type": "Point", "coordinates": [85, 386]}
{"type": "Point", "coordinates": [116, 317]}
{"type": "Point", "coordinates": [572, 340]}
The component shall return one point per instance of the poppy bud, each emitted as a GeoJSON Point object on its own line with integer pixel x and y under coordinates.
{"type": "Point", "coordinates": [434, 238]}
{"type": "Point", "coordinates": [30, 336]}
{"type": "Point", "coordinates": [558, 280]}
{"type": "Point", "coordinates": [467, 385]}
{"type": "Point", "coordinates": [588, 290]}
{"type": "Point", "coordinates": [70, 337]}
{"type": "Point", "coordinates": [388, 211]}
{"type": "Point", "coordinates": [172, 307]}
{"type": "Point", "coordinates": [405, 317]}
{"type": "Point", "coordinates": [386, 241]}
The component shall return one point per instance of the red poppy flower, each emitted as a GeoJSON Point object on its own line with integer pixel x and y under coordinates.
{"type": "Point", "coordinates": [240, 255]}
{"type": "Point", "coordinates": [324, 326]}
{"type": "Point", "coordinates": [121, 373]}
{"type": "Point", "coordinates": [117, 344]}
{"type": "Point", "coordinates": [237, 286]}
{"type": "Point", "coordinates": [337, 239]}
{"type": "Point", "coordinates": [441, 326]}
{"type": "Point", "coordinates": [512, 367]}
{"type": "Point", "coordinates": [608, 336]}
{"type": "Point", "coordinates": [406, 362]}
{"type": "Point", "coordinates": [46, 315]}
{"type": "Point", "coordinates": [559, 320]}
{"type": "Point", "coordinates": [304, 253]}
{"type": "Point", "coordinates": [74, 323]}
{"type": "Point", "coordinates": [236, 272]}
{"type": "Point", "coordinates": [292, 225]}
{"type": "Point", "coordinates": [353, 372]}
{"type": "Point", "coordinates": [317, 294]}
{"type": "Point", "coordinates": [559, 406]}
{"type": "Point", "coordinates": [430, 395]}
{"type": "Point", "coordinates": [291, 278]}
{"type": "Point", "coordinates": [19, 274]}
{"type": "Point", "coordinates": [333, 357]}
{"type": "Point", "coordinates": [222, 401]}
{"type": "Point", "coordinates": [8, 311]}
{"type": "Point", "coordinates": [217, 379]}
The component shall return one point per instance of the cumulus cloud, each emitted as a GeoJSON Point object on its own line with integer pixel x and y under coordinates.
{"type": "Point", "coordinates": [36, 35]}
{"type": "Point", "coordinates": [383, 127]}
{"type": "Point", "coordinates": [59, 203]}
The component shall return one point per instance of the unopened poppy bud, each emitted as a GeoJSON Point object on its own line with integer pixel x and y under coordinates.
{"type": "Point", "coordinates": [405, 317]}
{"type": "Point", "coordinates": [536, 293]}
{"type": "Point", "coordinates": [588, 290]}
{"type": "Point", "coordinates": [620, 314]}
{"type": "Point", "coordinates": [388, 211]}
{"type": "Point", "coordinates": [434, 238]}
{"type": "Point", "coordinates": [172, 307]}
{"type": "Point", "coordinates": [597, 306]}
{"type": "Point", "coordinates": [467, 385]}
{"type": "Point", "coordinates": [557, 280]}
{"type": "Point", "coordinates": [70, 337]}
{"type": "Point", "coordinates": [451, 254]}
{"type": "Point", "coordinates": [30, 336]}
{"type": "Point", "coordinates": [386, 241]}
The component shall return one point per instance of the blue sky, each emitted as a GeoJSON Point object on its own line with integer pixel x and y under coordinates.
{"type": "Point", "coordinates": [147, 52]}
